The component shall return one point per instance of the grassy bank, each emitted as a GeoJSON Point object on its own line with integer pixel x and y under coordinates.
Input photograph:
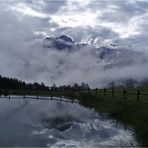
{"type": "Point", "coordinates": [129, 112]}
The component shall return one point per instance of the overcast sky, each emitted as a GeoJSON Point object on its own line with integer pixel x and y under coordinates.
{"type": "Point", "coordinates": [112, 19]}
{"type": "Point", "coordinates": [24, 23]}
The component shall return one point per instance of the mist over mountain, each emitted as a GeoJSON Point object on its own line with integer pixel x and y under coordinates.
{"type": "Point", "coordinates": [111, 62]}
{"type": "Point", "coordinates": [62, 42]}
{"type": "Point", "coordinates": [109, 56]}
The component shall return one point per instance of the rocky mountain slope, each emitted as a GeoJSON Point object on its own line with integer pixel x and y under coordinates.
{"type": "Point", "coordinates": [106, 56]}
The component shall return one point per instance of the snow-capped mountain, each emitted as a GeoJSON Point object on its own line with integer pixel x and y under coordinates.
{"type": "Point", "coordinates": [60, 42]}
{"type": "Point", "coordinates": [107, 56]}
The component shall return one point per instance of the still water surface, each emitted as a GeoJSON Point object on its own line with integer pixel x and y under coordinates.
{"type": "Point", "coordinates": [58, 124]}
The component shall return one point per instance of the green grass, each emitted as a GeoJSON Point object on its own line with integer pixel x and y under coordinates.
{"type": "Point", "coordinates": [129, 112]}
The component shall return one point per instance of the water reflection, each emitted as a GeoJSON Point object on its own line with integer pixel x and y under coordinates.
{"type": "Point", "coordinates": [54, 124]}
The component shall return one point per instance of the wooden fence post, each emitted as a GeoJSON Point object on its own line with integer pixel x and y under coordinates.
{"type": "Point", "coordinates": [88, 90]}
{"type": "Point", "coordinates": [9, 94]}
{"type": "Point", "coordinates": [112, 92]}
{"type": "Point", "coordinates": [69, 96]}
{"type": "Point", "coordinates": [124, 93]}
{"type": "Point", "coordinates": [96, 90]}
{"type": "Point", "coordinates": [138, 95]}
{"type": "Point", "coordinates": [72, 101]}
{"type": "Point", "coordinates": [104, 92]}
{"type": "Point", "coordinates": [23, 95]}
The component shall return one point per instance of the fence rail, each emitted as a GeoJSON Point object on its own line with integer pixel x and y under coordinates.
{"type": "Point", "coordinates": [61, 99]}
{"type": "Point", "coordinates": [122, 93]}
{"type": "Point", "coordinates": [138, 95]}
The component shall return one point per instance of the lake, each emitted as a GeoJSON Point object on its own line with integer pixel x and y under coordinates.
{"type": "Point", "coordinates": [58, 124]}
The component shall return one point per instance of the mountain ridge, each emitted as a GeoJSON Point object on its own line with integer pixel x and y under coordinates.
{"type": "Point", "coordinates": [113, 55]}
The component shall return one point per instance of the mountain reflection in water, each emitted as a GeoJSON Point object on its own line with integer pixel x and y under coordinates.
{"type": "Point", "coordinates": [55, 124]}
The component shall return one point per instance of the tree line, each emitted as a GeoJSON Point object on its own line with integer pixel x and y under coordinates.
{"type": "Point", "coordinates": [15, 84]}
{"type": "Point", "coordinates": [82, 86]}
{"type": "Point", "coordinates": [12, 83]}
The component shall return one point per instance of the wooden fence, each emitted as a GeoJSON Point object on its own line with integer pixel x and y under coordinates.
{"type": "Point", "coordinates": [121, 93]}
{"type": "Point", "coordinates": [137, 95]}
{"type": "Point", "coordinates": [61, 98]}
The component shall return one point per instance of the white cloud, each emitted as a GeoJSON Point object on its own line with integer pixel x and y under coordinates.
{"type": "Point", "coordinates": [75, 19]}
{"type": "Point", "coordinates": [26, 10]}
{"type": "Point", "coordinates": [126, 30]}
